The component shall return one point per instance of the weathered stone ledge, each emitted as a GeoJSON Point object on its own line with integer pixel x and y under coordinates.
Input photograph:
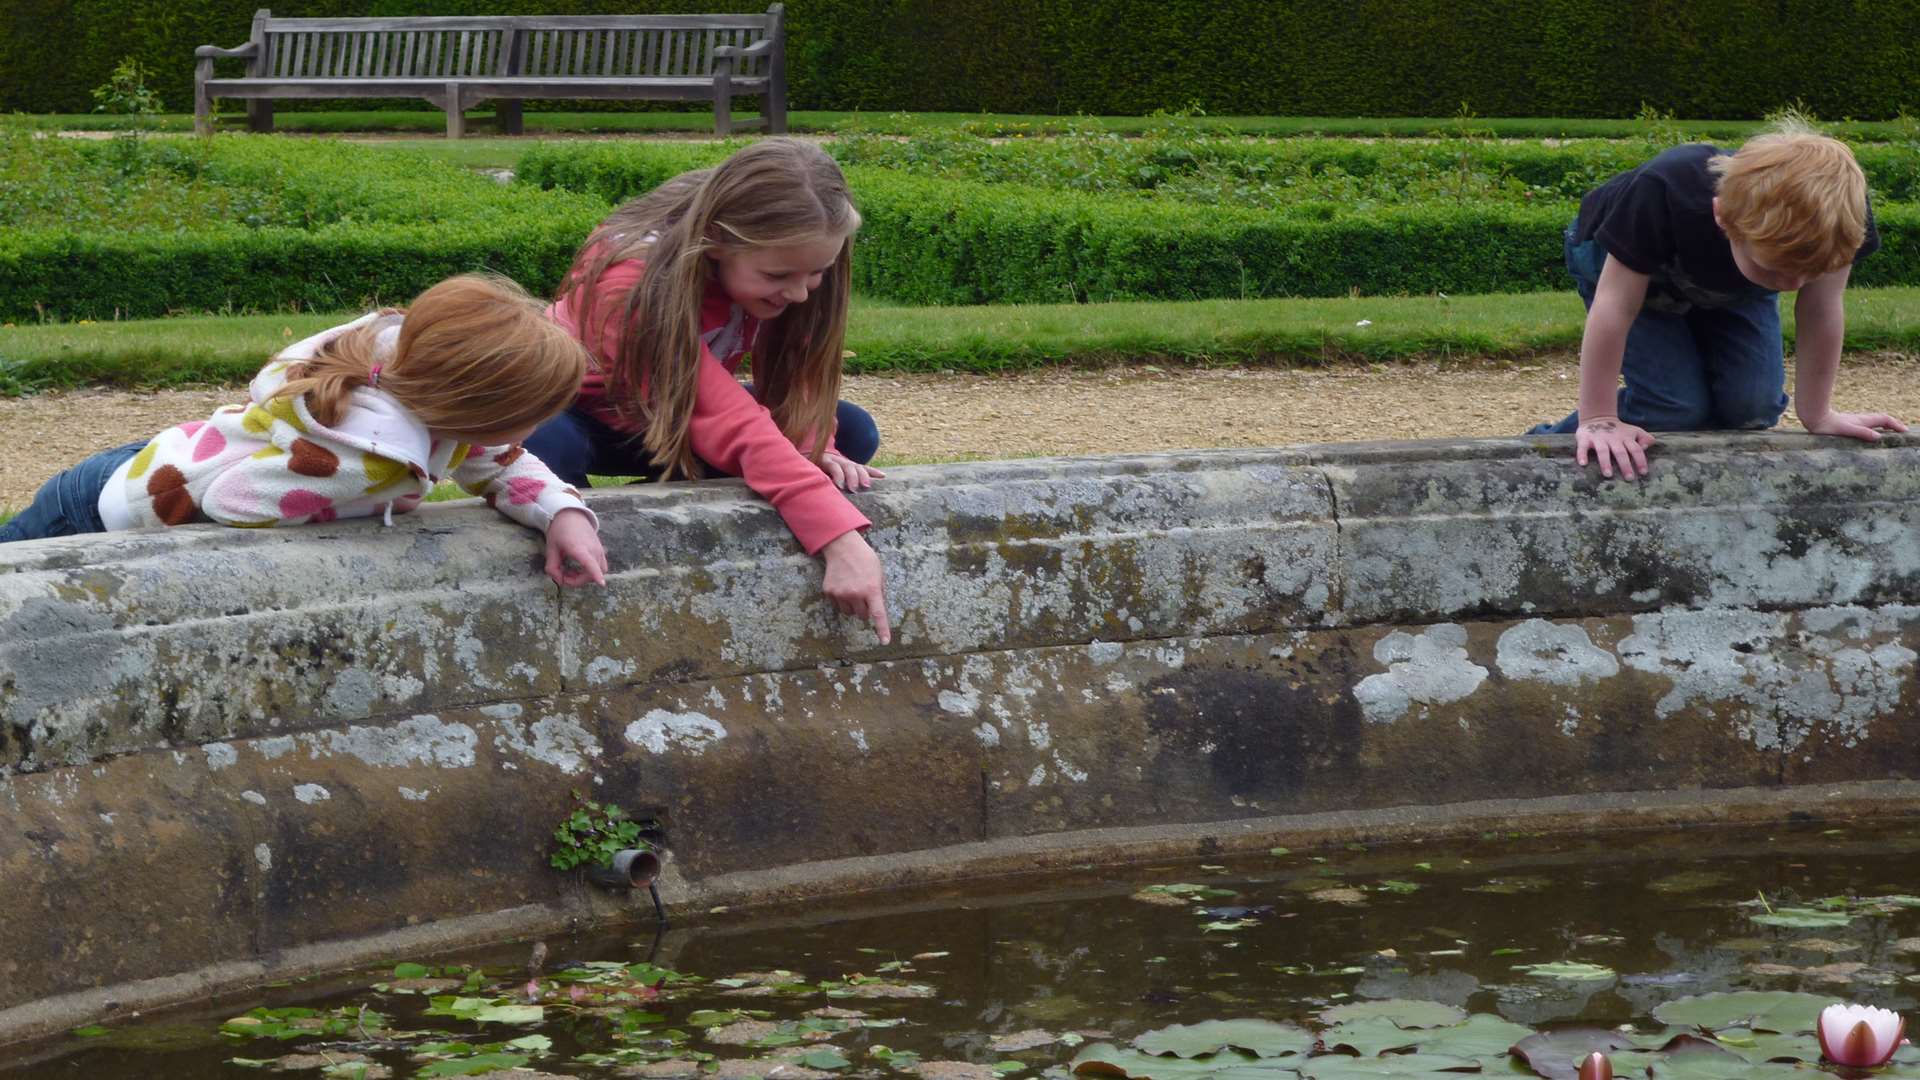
{"type": "Point", "coordinates": [221, 749]}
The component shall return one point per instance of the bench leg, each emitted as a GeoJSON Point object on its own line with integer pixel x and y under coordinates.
{"type": "Point", "coordinates": [776, 108]}
{"type": "Point", "coordinates": [202, 111]}
{"type": "Point", "coordinates": [722, 110]}
{"type": "Point", "coordinates": [260, 114]}
{"type": "Point", "coordinates": [509, 114]}
{"type": "Point", "coordinates": [456, 112]}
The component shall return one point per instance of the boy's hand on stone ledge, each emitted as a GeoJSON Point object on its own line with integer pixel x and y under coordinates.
{"type": "Point", "coordinates": [1854, 425]}
{"type": "Point", "coordinates": [574, 553]}
{"type": "Point", "coordinates": [1612, 442]}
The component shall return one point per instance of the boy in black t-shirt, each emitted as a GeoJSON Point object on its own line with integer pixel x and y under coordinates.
{"type": "Point", "coordinates": [1681, 262]}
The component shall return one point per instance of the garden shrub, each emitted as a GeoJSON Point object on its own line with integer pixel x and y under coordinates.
{"type": "Point", "coordinates": [930, 240]}
{"type": "Point", "coordinates": [1179, 164]}
{"type": "Point", "coordinates": [132, 228]}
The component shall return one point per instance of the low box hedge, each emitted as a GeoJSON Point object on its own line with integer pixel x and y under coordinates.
{"type": "Point", "coordinates": [338, 226]}
{"type": "Point", "coordinates": [937, 241]}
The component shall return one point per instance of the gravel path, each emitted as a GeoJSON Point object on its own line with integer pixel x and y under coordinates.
{"type": "Point", "coordinates": [948, 417]}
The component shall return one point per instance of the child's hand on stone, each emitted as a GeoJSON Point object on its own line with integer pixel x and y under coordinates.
{"type": "Point", "coordinates": [848, 474]}
{"type": "Point", "coordinates": [574, 554]}
{"type": "Point", "coordinates": [1612, 442]}
{"type": "Point", "coordinates": [855, 582]}
{"type": "Point", "coordinates": [1854, 425]}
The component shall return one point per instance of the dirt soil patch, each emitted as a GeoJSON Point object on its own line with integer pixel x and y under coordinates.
{"type": "Point", "coordinates": [1057, 412]}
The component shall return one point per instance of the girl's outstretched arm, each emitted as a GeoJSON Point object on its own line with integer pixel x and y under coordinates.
{"type": "Point", "coordinates": [521, 486]}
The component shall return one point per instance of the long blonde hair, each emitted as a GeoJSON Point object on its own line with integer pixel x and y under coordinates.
{"type": "Point", "coordinates": [778, 192]}
{"type": "Point", "coordinates": [476, 353]}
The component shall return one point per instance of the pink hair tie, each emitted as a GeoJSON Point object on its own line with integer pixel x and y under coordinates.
{"type": "Point", "coordinates": [373, 375]}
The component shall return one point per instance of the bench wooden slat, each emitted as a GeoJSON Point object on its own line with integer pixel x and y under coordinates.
{"type": "Point", "coordinates": [524, 22]}
{"type": "Point", "coordinates": [458, 61]}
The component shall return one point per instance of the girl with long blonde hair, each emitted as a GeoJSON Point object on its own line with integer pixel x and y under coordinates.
{"type": "Point", "coordinates": [359, 421]}
{"type": "Point", "coordinates": [671, 293]}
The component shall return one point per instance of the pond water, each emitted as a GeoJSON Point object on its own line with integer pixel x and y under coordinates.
{"type": "Point", "coordinates": [1409, 960]}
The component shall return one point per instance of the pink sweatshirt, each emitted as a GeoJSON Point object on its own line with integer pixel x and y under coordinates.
{"type": "Point", "coordinates": [730, 430]}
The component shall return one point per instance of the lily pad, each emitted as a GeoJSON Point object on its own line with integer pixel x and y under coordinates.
{"type": "Point", "coordinates": [1341, 1067]}
{"type": "Point", "coordinates": [1568, 971]}
{"type": "Point", "coordinates": [1557, 1054]}
{"type": "Point", "coordinates": [1262, 1038]}
{"type": "Point", "coordinates": [1759, 1047]}
{"type": "Point", "coordinates": [824, 1058]}
{"type": "Point", "coordinates": [1802, 918]}
{"type": "Point", "coordinates": [477, 1065]}
{"type": "Point", "coordinates": [1106, 1059]}
{"type": "Point", "coordinates": [510, 1014]}
{"type": "Point", "coordinates": [1483, 1037]}
{"type": "Point", "coordinates": [1401, 1012]}
{"type": "Point", "coordinates": [1758, 1010]}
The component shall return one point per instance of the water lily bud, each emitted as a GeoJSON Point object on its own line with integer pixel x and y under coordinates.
{"type": "Point", "coordinates": [1596, 1067]}
{"type": "Point", "coordinates": [1860, 1036]}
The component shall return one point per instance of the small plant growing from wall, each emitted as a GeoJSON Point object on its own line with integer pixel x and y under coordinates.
{"type": "Point", "coordinates": [593, 834]}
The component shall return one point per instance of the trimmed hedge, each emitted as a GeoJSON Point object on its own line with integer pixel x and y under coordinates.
{"type": "Point", "coordinates": [380, 228]}
{"type": "Point", "coordinates": [935, 241]}
{"type": "Point", "coordinates": [1576, 58]}
{"type": "Point", "coordinates": [1257, 173]}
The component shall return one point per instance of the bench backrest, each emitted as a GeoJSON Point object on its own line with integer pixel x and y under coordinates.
{"type": "Point", "coordinates": [559, 46]}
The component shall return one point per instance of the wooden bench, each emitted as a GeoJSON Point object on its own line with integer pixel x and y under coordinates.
{"type": "Point", "coordinates": [456, 62]}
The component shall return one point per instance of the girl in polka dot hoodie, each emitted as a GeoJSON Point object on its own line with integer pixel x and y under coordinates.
{"type": "Point", "coordinates": [361, 421]}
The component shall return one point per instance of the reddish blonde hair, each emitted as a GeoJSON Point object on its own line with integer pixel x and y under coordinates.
{"type": "Point", "coordinates": [1796, 197]}
{"type": "Point", "coordinates": [476, 353]}
{"type": "Point", "coordinates": [778, 192]}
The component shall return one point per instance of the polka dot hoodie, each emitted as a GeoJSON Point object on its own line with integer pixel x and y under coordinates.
{"type": "Point", "coordinates": [269, 462]}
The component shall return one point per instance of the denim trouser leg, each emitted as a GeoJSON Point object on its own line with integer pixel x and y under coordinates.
{"type": "Point", "coordinates": [69, 504]}
{"type": "Point", "coordinates": [1707, 368]}
{"type": "Point", "coordinates": [574, 445]}
{"type": "Point", "coordinates": [1746, 363]}
{"type": "Point", "coordinates": [855, 434]}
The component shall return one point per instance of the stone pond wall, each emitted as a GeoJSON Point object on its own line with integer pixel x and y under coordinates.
{"type": "Point", "coordinates": [229, 755]}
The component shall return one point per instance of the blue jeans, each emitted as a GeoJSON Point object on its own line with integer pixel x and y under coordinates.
{"type": "Point", "coordinates": [69, 504]}
{"type": "Point", "coordinates": [575, 445]}
{"type": "Point", "coordinates": [1704, 369]}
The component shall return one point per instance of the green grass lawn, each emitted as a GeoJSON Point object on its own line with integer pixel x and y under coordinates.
{"type": "Point", "coordinates": [228, 349]}
{"type": "Point", "coordinates": [1006, 124]}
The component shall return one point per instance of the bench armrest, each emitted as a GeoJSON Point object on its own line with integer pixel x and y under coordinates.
{"type": "Point", "coordinates": [243, 52]}
{"type": "Point", "coordinates": [758, 48]}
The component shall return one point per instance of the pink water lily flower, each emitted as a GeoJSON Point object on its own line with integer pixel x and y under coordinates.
{"type": "Point", "coordinates": [1596, 1067]}
{"type": "Point", "coordinates": [1860, 1036]}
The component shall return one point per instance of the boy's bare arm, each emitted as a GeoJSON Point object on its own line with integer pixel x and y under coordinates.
{"type": "Point", "coordinates": [1616, 303]}
{"type": "Point", "coordinates": [1820, 324]}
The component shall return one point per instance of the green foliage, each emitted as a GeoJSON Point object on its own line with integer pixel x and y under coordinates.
{"type": "Point", "coordinates": [126, 92]}
{"type": "Point", "coordinates": [593, 834]}
{"type": "Point", "coordinates": [1171, 161]}
{"type": "Point", "coordinates": [147, 227]}
{"type": "Point", "coordinates": [1573, 58]}
{"type": "Point", "coordinates": [931, 240]}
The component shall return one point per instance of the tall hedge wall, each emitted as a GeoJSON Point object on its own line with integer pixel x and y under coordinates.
{"type": "Point", "coordinates": [1698, 58]}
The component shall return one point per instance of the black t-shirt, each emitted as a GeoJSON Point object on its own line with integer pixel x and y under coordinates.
{"type": "Point", "coordinates": [1658, 220]}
